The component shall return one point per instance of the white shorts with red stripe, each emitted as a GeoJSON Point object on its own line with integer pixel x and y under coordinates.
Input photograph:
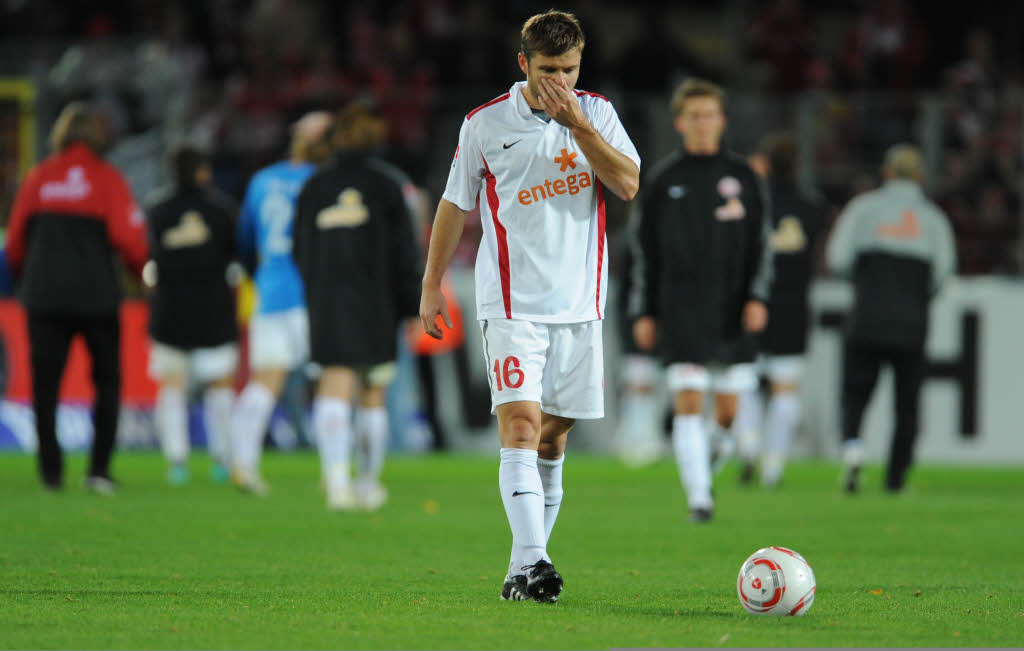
{"type": "Point", "coordinates": [559, 365]}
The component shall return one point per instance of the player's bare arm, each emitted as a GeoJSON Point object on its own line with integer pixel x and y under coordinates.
{"type": "Point", "coordinates": [444, 238]}
{"type": "Point", "coordinates": [615, 169]}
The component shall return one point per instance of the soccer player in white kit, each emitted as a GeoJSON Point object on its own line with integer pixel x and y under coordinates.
{"type": "Point", "coordinates": [538, 159]}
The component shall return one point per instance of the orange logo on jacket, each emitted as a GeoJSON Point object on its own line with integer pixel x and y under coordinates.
{"type": "Point", "coordinates": [907, 229]}
{"type": "Point", "coordinates": [571, 184]}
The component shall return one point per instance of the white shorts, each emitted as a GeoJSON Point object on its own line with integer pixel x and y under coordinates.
{"type": "Point", "coordinates": [279, 339]}
{"type": "Point", "coordinates": [560, 366]}
{"type": "Point", "coordinates": [377, 377]}
{"type": "Point", "coordinates": [639, 370]}
{"type": "Point", "coordinates": [783, 369]}
{"type": "Point", "coordinates": [732, 379]}
{"type": "Point", "coordinates": [202, 364]}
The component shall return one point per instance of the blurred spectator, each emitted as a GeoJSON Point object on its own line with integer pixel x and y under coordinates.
{"type": "Point", "coordinates": [781, 39]}
{"type": "Point", "coordinates": [886, 48]}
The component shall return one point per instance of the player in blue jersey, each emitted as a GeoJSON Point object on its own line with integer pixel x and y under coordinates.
{"type": "Point", "coordinates": [279, 330]}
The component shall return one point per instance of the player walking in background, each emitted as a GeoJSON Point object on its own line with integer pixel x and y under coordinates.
{"type": "Point", "coordinates": [798, 219]}
{"type": "Point", "coordinates": [192, 309]}
{"type": "Point", "coordinates": [703, 278]}
{"type": "Point", "coordinates": [73, 212]}
{"type": "Point", "coordinates": [357, 251]}
{"type": "Point", "coordinates": [897, 248]}
{"type": "Point", "coordinates": [538, 159]}
{"type": "Point", "coordinates": [279, 331]}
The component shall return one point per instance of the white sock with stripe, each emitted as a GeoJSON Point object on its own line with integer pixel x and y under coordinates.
{"type": "Point", "coordinates": [522, 493]}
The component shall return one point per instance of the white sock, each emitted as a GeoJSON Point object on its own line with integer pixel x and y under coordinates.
{"type": "Point", "coordinates": [783, 415]}
{"type": "Point", "coordinates": [639, 431]}
{"type": "Point", "coordinates": [372, 433]}
{"type": "Point", "coordinates": [332, 422]}
{"type": "Point", "coordinates": [172, 424]}
{"type": "Point", "coordinates": [217, 417]}
{"type": "Point", "coordinates": [747, 424]}
{"type": "Point", "coordinates": [523, 496]}
{"type": "Point", "coordinates": [249, 418]}
{"type": "Point", "coordinates": [691, 449]}
{"type": "Point", "coordinates": [551, 480]}
{"type": "Point", "coordinates": [853, 453]}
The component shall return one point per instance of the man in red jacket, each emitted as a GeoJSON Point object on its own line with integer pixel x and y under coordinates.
{"type": "Point", "coordinates": [73, 213]}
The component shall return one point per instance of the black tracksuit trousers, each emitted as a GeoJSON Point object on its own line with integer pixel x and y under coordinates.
{"type": "Point", "coordinates": [861, 365]}
{"type": "Point", "coordinates": [50, 337]}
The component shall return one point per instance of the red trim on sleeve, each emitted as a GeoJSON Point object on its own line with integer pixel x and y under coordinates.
{"type": "Point", "coordinates": [490, 103]}
{"type": "Point", "coordinates": [502, 236]}
{"type": "Point", "coordinates": [600, 243]}
{"type": "Point", "coordinates": [580, 93]}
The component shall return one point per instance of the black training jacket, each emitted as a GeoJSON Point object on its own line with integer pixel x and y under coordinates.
{"type": "Point", "coordinates": [701, 255]}
{"type": "Point", "coordinates": [359, 259]}
{"type": "Point", "coordinates": [192, 241]}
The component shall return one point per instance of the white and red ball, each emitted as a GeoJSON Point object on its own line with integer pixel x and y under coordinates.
{"type": "Point", "coordinates": [776, 581]}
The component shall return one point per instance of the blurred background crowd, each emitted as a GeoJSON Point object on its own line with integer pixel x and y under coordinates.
{"type": "Point", "coordinates": [850, 77]}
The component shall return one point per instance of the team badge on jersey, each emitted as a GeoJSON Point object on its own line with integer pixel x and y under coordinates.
{"type": "Point", "coordinates": [676, 191]}
{"type": "Point", "coordinates": [349, 212]}
{"type": "Point", "coordinates": [190, 231]}
{"type": "Point", "coordinates": [730, 188]}
{"type": "Point", "coordinates": [789, 237]}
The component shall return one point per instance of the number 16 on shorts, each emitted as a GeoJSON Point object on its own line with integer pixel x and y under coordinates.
{"type": "Point", "coordinates": [510, 371]}
{"type": "Point", "coordinates": [515, 360]}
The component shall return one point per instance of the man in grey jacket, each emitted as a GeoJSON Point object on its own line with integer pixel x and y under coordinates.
{"type": "Point", "coordinates": [897, 248]}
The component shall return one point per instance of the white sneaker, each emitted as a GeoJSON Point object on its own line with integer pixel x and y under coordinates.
{"type": "Point", "coordinates": [100, 485]}
{"type": "Point", "coordinates": [371, 494]}
{"type": "Point", "coordinates": [249, 481]}
{"type": "Point", "coordinates": [341, 498]}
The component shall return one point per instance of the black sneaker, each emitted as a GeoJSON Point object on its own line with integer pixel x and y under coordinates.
{"type": "Point", "coordinates": [748, 473]}
{"type": "Point", "coordinates": [851, 483]}
{"type": "Point", "coordinates": [514, 588]}
{"type": "Point", "coordinates": [700, 516]}
{"type": "Point", "coordinates": [544, 584]}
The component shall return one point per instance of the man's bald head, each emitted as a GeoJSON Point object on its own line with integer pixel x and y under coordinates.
{"type": "Point", "coordinates": [905, 162]}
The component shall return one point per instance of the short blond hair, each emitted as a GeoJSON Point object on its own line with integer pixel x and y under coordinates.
{"type": "Point", "coordinates": [693, 87]}
{"type": "Point", "coordinates": [78, 122]}
{"type": "Point", "coordinates": [552, 33]}
{"type": "Point", "coordinates": [904, 161]}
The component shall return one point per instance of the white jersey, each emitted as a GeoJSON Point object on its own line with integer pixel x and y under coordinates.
{"type": "Point", "coordinates": [543, 253]}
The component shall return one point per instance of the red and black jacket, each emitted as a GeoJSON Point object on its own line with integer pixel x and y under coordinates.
{"type": "Point", "coordinates": [73, 213]}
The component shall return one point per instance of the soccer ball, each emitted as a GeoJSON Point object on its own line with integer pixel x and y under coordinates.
{"type": "Point", "coordinates": [776, 581]}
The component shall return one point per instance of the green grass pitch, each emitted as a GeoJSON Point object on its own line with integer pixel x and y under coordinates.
{"type": "Point", "coordinates": [204, 567]}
